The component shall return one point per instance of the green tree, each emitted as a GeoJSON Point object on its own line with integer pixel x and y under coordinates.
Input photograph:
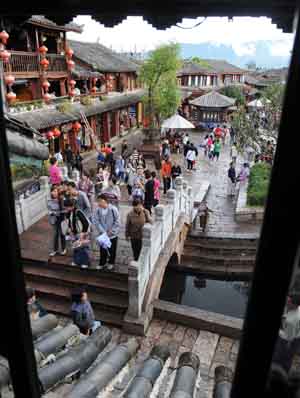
{"type": "Point", "coordinates": [158, 75]}
{"type": "Point", "coordinates": [201, 62]}
{"type": "Point", "coordinates": [234, 92]}
{"type": "Point", "coordinates": [254, 128]}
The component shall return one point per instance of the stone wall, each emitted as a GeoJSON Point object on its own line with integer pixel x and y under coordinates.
{"type": "Point", "coordinates": [244, 213]}
{"type": "Point", "coordinates": [32, 209]}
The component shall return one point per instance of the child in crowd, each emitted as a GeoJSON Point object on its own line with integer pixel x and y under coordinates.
{"type": "Point", "coordinates": [81, 251]}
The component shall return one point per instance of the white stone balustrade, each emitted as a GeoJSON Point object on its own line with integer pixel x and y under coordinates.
{"type": "Point", "coordinates": [179, 202]}
{"type": "Point", "coordinates": [32, 209]}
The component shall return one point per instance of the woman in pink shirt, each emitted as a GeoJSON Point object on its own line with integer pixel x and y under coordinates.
{"type": "Point", "coordinates": [55, 172]}
{"type": "Point", "coordinates": [156, 183]}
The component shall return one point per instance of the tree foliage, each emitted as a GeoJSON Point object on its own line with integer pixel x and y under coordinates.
{"type": "Point", "coordinates": [200, 62]}
{"type": "Point", "coordinates": [254, 128]}
{"type": "Point", "coordinates": [234, 92]}
{"type": "Point", "coordinates": [158, 75]}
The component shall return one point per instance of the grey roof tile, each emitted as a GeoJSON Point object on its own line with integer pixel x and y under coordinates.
{"type": "Point", "coordinates": [213, 100]}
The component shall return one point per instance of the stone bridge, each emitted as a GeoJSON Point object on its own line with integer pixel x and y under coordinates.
{"type": "Point", "coordinates": [123, 297]}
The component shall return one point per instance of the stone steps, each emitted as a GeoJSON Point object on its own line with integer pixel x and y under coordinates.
{"type": "Point", "coordinates": [108, 291]}
{"type": "Point", "coordinates": [222, 250]}
{"type": "Point", "coordinates": [217, 260]}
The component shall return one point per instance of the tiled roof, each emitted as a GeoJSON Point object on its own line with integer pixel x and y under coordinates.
{"type": "Point", "coordinates": [42, 21]}
{"type": "Point", "coordinates": [209, 66]}
{"type": "Point", "coordinates": [101, 58]}
{"type": "Point", "coordinates": [213, 100]}
{"type": "Point", "coordinates": [84, 72]}
{"type": "Point", "coordinates": [42, 119]}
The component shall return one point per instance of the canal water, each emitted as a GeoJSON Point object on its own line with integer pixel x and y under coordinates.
{"type": "Point", "coordinates": [224, 297]}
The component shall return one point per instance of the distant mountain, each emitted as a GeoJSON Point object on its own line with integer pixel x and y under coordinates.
{"type": "Point", "coordinates": [262, 55]}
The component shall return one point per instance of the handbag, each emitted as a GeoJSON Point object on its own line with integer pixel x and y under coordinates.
{"type": "Point", "coordinates": [64, 227]}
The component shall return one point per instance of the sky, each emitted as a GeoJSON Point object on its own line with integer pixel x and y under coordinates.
{"type": "Point", "coordinates": [136, 34]}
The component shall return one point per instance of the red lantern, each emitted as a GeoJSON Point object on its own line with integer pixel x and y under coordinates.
{"type": "Point", "coordinates": [46, 85]}
{"type": "Point", "coordinates": [44, 63]}
{"type": "Point", "coordinates": [47, 97]}
{"type": "Point", "coordinates": [43, 50]}
{"type": "Point", "coordinates": [72, 83]}
{"type": "Point", "coordinates": [4, 55]}
{"type": "Point", "coordinates": [11, 96]}
{"type": "Point", "coordinates": [50, 134]}
{"type": "Point", "coordinates": [94, 90]}
{"type": "Point", "coordinates": [76, 126]}
{"type": "Point", "coordinates": [56, 133]}
{"type": "Point", "coordinates": [4, 36]}
{"type": "Point", "coordinates": [9, 79]}
{"type": "Point", "coordinates": [69, 52]}
{"type": "Point", "coordinates": [72, 93]}
{"type": "Point", "coordinates": [70, 64]}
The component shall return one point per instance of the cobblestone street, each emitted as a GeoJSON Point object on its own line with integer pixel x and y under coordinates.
{"type": "Point", "coordinates": [221, 221]}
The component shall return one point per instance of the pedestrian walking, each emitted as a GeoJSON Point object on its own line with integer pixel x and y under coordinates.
{"type": "Point", "coordinates": [106, 220]}
{"type": "Point", "coordinates": [75, 221]}
{"type": "Point", "coordinates": [130, 175]}
{"type": "Point", "coordinates": [81, 198]}
{"type": "Point", "coordinates": [86, 185]}
{"type": "Point", "coordinates": [120, 169]}
{"type": "Point", "coordinates": [233, 153]}
{"type": "Point", "coordinates": [135, 157]}
{"type": "Point", "coordinates": [232, 135]}
{"type": "Point", "coordinates": [217, 149]}
{"type": "Point", "coordinates": [231, 180]}
{"type": "Point", "coordinates": [244, 173]}
{"type": "Point", "coordinates": [166, 172]}
{"type": "Point", "coordinates": [69, 160]}
{"type": "Point", "coordinates": [55, 172]}
{"type": "Point", "coordinates": [82, 312]}
{"type": "Point", "coordinates": [124, 148]}
{"type": "Point", "coordinates": [136, 219]}
{"type": "Point", "coordinates": [149, 191]}
{"type": "Point", "coordinates": [156, 183]}
{"type": "Point", "coordinates": [190, 158]}
{"type": "Point", "coordinates": [78, 162]}
{"type": "Point", "coordinates": [113, 192]}
{"type": "Point", "coordinates": [58, 156]}
{"type": "Point", "coordinates": [175, 172]}
{"type": "Point", "coordinates": [56, 216]}
{"type": "Point", "coordinates": [186, 139]}
{"type": "Point", "coordinates": [32, 299]}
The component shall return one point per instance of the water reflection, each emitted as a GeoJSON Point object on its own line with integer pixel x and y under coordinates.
{"type": "Point", "coordinates": [224, 297]}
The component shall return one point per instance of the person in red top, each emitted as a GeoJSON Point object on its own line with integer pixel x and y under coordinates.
{"type": "Point", "coordinates": [166, 172]}
{"type": "Point", "coordinates": [218, 132]}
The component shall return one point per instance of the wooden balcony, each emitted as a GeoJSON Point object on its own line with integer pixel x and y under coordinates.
{"type": "Point", "coordinates": [27, 65]}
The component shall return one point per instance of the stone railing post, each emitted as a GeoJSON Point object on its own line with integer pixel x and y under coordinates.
{"type": "Point", "coordinates": [190, 202]}
{"type": "Point", "coordinates": [171, 200]}
{"type": "Point", "coordinates": [147, 242]}
{"type": "Point", "coordinates": [178, 188]}
{"type": "Point", "coordinates": [159, 217]}
{"type": "Point", "coordinates": [184, 194]}
{"type": "Point", "coordinates": [135, 304]}
{"type": "Point", "coordinates": [76, 175]}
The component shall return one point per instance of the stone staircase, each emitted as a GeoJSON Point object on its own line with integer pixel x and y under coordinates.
{"type": "Point", "coordinates": [53, 282]}
{"type": "Point", "coordinates": [218, 256]}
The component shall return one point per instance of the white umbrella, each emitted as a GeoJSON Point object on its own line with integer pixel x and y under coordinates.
{"type": "Point", "coordinates": [177, 122]}
{"type": "Point", "coordinates": [258, 103]}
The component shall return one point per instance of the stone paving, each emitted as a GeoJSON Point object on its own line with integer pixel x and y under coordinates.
{"type": "Point", "coordinates": [221, 221]}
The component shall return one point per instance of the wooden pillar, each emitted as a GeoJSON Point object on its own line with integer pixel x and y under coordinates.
{"type": "Point", "coordinates": [105, 127]}
{"type": "Point", "coordinates": [62, 87]}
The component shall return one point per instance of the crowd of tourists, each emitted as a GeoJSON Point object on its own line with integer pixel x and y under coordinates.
{"type": "Point", "coordinates": [86, 212]}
